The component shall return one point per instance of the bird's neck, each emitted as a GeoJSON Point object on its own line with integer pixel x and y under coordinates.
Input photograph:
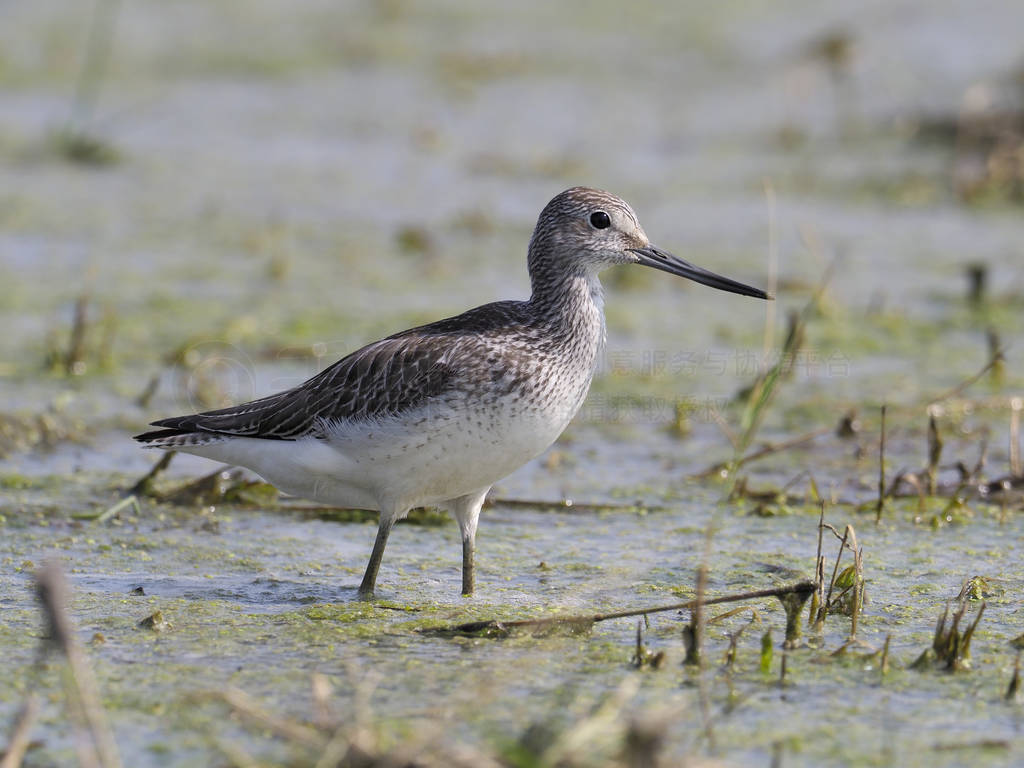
{"type": "Point", "coordinates": [570, 305]}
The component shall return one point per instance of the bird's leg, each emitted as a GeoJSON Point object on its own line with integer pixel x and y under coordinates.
{"type": "Point", "coordinates": [387, 520]}
{"type": "Point", "coordinates": [468, 569]}
{"type": "Point", "coordinates": [466, 510]}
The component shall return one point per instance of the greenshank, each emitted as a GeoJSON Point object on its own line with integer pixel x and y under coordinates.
{"type": "Point", "coordinates": [435, 415]}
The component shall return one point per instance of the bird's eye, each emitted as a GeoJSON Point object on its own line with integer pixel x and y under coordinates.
{"type": "Point", "coordinates": [600, 220]}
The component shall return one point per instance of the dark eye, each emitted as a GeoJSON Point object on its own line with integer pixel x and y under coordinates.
{"type": "Point", "coordinates": [600, 220]}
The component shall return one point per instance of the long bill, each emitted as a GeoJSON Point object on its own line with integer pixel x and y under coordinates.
{"type": "Point", "coordinates": [666, 262]}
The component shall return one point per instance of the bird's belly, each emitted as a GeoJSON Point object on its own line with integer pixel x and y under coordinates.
{"type": "Point", "coordinates": [308, 468]}
{"type": "Point", "coordinates": [422, 457]}
{"type": "Point", "coordinates": [442, 453]}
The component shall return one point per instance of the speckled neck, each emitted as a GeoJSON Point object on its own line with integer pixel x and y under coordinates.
{"type": "Point", "coordinates": [569, 305]}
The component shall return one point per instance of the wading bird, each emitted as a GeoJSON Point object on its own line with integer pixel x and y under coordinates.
{"type": "Point", "coordinates": [437, 414]}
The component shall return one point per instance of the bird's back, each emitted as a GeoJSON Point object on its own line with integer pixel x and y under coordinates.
{"type": "Point", "coordinates": [425, 415]}
{"type": "Point", "coordinates": [488, 351]}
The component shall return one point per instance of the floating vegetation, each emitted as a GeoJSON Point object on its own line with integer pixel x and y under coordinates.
{"type": "Point", "coordinates": [156, 622]}
{"type": "Point", "coordinates": [45, 431]}
{"type": "Point", "coordinates": [83, 148]}
{"type": "Point", "coordinates": [414, 240]}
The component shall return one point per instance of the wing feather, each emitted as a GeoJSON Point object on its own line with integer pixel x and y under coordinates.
{"type": "Point", "coordinates": [382, 379]}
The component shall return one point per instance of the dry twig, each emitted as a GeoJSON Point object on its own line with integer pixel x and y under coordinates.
{"type": "Point", "coordinates": [96, 743]}
{"type": "Point", "coordinates": [498, 628]}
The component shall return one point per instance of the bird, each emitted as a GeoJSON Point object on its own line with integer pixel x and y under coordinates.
{"type": "Point", "coordinates": [435, 415]}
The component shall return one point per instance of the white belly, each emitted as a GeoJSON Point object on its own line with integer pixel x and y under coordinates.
{"type": "Point", "coordinates": [422, 458]}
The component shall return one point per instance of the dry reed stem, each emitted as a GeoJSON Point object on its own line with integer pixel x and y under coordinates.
{"type": "Point", "coordinates": [19, 742]}
{"type": "Point", "coordinates": [249, 709]}
{"type": "Point", "coordinates": [995, 359]}
{"type": "Point", "coordinates": [819, 578]}
{"type": "Point", "coordinates": [698, 625]}
{"type": "Point", "coordinates": [1014, 686]}
{"type": "Point", "coordinates": [95, 739]}
{"type": "Point", "coordinates": [858, 584]}
{"type": "Point", "coordinates": [503, 628]}
{"type": "Point", "coordinates": [74, 360]}
{"type": "Point", "coordinates": [1016, 404]}
{"type": "Point", "coordinates": [934, 451]}
{"type": "Point", "coordinates": [766, 450]}
{"type": "Point", "coordinates": [832, 582]}
{"type": "Point", "coordinates": [881, 471]}
{"type": "Point", "coordinates": [144, 486]}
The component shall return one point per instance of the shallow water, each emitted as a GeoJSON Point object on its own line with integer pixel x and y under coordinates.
{"type": "Point", "coordinates": [275, 206]}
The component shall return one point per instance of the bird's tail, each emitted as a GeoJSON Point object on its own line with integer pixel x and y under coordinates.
{"type": "Point", "coordinates": [177, 438]}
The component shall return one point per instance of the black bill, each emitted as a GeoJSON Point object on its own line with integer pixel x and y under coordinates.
{"type": "Point", "coordinates": [666, 262]}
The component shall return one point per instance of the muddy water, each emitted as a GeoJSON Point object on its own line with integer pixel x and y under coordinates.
{"type": "Point", "coordinates": [274, 206]}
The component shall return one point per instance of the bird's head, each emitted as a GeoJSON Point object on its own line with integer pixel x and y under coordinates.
{"type": "Point", "coordinates": [583, 231]}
